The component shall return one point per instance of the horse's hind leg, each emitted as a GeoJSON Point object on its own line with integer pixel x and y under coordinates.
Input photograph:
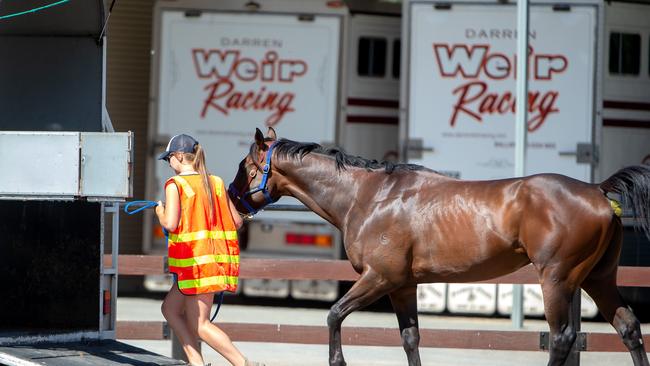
{"type": "Point", "coordinates": [612, 307]}
{"type": "Point", "coordinates": [558, 296]}
{"type": "Point", "coordinates": [368, 288]}
{"type": "Point", "coordinates": [600, 284]}
{"type": "Point", "coordinates": [404, 303]}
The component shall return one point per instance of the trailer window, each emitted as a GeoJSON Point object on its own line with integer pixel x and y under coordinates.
{"type": "Point", "coordinates": [397, 48]}
{"type": "Point", "coordinates": [624, 53]}
{"type": "Point", "coordinates": [372, 57]}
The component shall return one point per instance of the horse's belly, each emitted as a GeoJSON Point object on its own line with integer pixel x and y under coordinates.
{"type": "Point", "coordinates": [467, 270]}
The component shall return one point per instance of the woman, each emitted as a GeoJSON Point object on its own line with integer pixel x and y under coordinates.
{"type": "Point", "coordinates": [203, 250]}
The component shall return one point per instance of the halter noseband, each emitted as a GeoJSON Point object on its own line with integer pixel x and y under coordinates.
{"type": "Point", "coordinates": [262, 187]}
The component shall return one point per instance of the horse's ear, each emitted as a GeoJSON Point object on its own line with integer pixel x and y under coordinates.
{"type": "Point", "coordinates": [259, 138]}
{"type": "Point", "coordinates": [271, 134]}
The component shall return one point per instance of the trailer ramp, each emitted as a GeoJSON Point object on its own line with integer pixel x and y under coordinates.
{"type": "Point", "coordinates": [104, 353]}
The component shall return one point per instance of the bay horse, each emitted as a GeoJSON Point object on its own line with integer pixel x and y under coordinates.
{"type": "Point", "coordinates": [404, 224]}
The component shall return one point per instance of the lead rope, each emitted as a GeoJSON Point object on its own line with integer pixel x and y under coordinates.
{"type": "Point", "coordinates": [150, 204]}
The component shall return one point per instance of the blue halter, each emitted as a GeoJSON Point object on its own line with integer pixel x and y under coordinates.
{"type": "Point", "coordinates": [261, 188]}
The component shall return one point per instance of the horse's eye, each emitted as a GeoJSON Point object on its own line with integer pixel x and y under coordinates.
{"type": "Point", "coordinates": [252, 173]}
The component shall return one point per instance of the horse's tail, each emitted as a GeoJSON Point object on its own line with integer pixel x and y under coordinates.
{"type": "Point", "coordinates": [633, 184]}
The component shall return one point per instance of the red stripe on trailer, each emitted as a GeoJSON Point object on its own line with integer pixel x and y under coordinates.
{"type": "Point", "coordinates": [617, 122]}
{"type": "Point", "coordinates": [383, 120]}
{"type": "Point", "coordinates": [637, 106]}
{"type": "Point", "coordinates": [366, 102]}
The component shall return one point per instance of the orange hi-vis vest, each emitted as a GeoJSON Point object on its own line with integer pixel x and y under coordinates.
{"type": "Point", "coordinates": [205, 259]}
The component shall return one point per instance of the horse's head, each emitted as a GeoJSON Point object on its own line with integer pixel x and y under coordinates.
{"type": "Point", "coordinates": [250, 190]}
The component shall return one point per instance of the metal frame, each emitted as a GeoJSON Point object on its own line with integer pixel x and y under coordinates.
{"type": "Point", "coordinates": [109, 273]}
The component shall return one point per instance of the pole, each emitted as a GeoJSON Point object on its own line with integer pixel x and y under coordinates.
{"type": "Point", "coordinates": [521, 122]}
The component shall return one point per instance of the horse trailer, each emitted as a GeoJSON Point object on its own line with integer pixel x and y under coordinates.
{"type": "Point", "coordinates": [589, 103]}
{"type": "Point", "coordinates": [221, 69]}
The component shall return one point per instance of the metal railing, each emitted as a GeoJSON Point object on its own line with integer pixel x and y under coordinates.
{"type": "Point", "coordinates": [341, 270]}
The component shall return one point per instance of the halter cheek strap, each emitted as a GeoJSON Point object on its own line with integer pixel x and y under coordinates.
{"type": "Point", "coordinates": [266, 169]}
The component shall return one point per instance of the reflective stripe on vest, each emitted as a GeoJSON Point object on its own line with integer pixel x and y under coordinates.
{"type": "Point", "coordinates": [187, 189]}
{"type": "Point", "coordinates": [218, 185]}
{"type": "Point", "coordinates": [204, 234]}
{"type": "Point", "coordinates": [207, 281]}
{"type": "Point", "coordinates": [203, 259]}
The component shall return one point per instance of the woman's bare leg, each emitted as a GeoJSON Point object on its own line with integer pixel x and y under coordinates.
{"type": "Point", "coordinates": [197, 312]}
{"type": "Point", "coordinates": [173, 309]}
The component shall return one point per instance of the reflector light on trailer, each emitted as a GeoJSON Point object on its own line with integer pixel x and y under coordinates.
{"type": "Point", "coordinates": [335, 4]}
{"type": "Point", "coordinates": [308, 239]}
{"type": "Point", "coordinates": [158, 232]}
{"type": "Point", "coordinates": [107, 302]}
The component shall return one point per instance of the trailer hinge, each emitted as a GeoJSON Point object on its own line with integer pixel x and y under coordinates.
{"type": "Point", "coordinates": [415, 148]}
{"type": "Point", "coordinates": [561, 7]}
{"type": "Point", "coordinates": [585, 153]}
{"type": "Point", "coordinates": [306, 17]}
{"type": "Point", "coordinates": [193, 13]}
{"type": "Point", "coordinates": [252, 6]}
{"type": "Point", "coordinates": [579, 345]}
{"type": "Point", "coordinates": [442, 6]}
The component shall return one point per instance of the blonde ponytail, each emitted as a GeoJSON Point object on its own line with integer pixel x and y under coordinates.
{"type": "Point", "coordinates": [199, 165]}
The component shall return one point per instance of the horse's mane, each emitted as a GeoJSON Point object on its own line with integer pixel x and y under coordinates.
{"type": "Point", "coordinates": [292, 149]}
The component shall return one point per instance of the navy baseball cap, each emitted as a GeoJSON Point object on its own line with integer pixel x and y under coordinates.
{"type": "Point", "coordinates": [179, 143]}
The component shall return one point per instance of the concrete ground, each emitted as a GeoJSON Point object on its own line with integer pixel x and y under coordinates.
{"type": "Point", "coordinates": [302, 355]}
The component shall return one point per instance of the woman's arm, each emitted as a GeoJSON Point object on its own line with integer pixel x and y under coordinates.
{"type": "Point", "coordinates": [169, 215]}
{"type": "Point", "coordinates": [235, 214]}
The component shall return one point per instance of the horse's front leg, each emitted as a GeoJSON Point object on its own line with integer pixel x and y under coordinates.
{"type": "Point", "coordinates": [368, 288]}
{"type": "Point", "coordinates": [404, 302]}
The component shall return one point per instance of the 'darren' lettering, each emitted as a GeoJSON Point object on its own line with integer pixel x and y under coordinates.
{"type": "Point", "coordinates": [229, 73]}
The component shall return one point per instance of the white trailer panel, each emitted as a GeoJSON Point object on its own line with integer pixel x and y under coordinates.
{"type": "Point", "coordinates": [66, 165]}
{"type": "Point", "coordinates": [460, 90]}
{"type": "Point", "coordinates": [224, 74]}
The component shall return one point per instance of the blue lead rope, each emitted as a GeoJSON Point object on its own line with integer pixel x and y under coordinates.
{"type": "Point", "coordinates": [145, 205]}
{"type": "Point", "coordinates": [216, 311]}
{"type": "Point", "coordinates": [149, 204]}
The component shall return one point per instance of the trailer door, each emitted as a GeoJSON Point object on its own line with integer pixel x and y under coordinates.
{"type": "Point", "coordinates": [224, 74]}
{"type": "Point", "coordinates": [461, 89]}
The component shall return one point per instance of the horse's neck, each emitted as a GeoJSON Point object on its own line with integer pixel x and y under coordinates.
{"type": "Point", "coordinates": [317, 183]}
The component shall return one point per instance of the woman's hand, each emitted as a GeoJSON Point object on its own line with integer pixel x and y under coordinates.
{"type": "Point", "coordinates": [160, 209]}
